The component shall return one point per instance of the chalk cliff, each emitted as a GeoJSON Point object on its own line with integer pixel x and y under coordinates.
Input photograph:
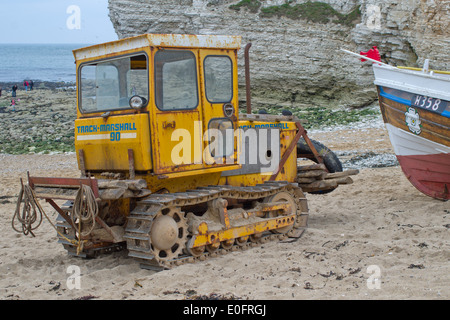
{"type": "Point", "coordinates": [295, 58]}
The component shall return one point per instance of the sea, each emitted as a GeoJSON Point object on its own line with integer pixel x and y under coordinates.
{"type": "Point", "coordinates": [38, 62]}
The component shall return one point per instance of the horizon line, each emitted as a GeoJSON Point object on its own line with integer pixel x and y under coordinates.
{"type": "Point", "coordinates": [50, 42]}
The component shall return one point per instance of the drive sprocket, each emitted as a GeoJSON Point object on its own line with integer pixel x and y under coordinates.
{"type": "Point", "coordinates": [168, 233]}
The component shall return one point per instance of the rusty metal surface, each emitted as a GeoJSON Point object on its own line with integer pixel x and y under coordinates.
{"type": "Point", "coordinates": [301, 132]}
{"type": "Point", "coordinates": [194, 41]}
{"type": "Point", "coordinates": [242, 231]}
{"type": "Point", "coordinates": [62, 213]}
{"type": "Point", "coordinates": [132, 171]}
{"type": "Point", "coordinates": [82, 162]}
{"type": "Point", "coordinates": [158, 40]}
{"type": "Point", "coordinates": [141, 218]}
{"type": "Point", "coordinates": [247, 78]}
{"type": "Point", "coordinates": [58, 183]}
{"type": "Point", "coordinates": [220, 206]}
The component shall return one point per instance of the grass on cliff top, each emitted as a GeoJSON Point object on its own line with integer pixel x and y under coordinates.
{"type": "Point", "coordinates": [251, 5]}
{"type": "Point", "coordinates": [319, 12]}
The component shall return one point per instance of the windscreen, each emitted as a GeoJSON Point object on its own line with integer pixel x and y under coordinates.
{"type": "Point", "coordinates": [109, 84]}
{"type": "Point", "coordinates": [175, 80]}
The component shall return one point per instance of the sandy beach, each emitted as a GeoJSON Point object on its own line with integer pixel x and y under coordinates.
{"type": "Point", "coordinates": [379, 227]}
{"type": "Point", "coordinates": [378, 238]}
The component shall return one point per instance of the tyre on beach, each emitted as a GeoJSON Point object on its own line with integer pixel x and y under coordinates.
{"type": "Point", "coordinates": [330, 159]}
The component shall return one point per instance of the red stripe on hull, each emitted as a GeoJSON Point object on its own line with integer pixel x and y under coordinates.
{"type": "Point", "coordinates": [430, 174]}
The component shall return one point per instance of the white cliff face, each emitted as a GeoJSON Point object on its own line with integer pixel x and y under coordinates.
{"type": "Point", "coordinates": [295, 61]}
{"type": "Point", "coordinates": [409, 31]}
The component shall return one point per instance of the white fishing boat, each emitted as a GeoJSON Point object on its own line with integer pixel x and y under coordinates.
{"type": "Point", "coordinates": [415, 105]}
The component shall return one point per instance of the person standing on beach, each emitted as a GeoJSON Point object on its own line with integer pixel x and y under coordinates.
{"type": "Point", "coordinates": [0, 91]}
{"type": "Point", "coordinates": [31, 85]}
{"type": "Point", "coordinates": [13, 104]}
{"type": "Point", "coordinates": [14, 89]}
{"type": "Point", "coordinates": [25, 83]}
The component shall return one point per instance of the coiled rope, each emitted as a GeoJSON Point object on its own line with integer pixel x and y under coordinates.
{"type": "Point", "coordinates": [30, 217]}
{"type": "Point", "coordinates": [85, 209]}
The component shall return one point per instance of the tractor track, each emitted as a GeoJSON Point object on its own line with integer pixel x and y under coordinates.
{"type": "Point", "coordinates": [140, 220]}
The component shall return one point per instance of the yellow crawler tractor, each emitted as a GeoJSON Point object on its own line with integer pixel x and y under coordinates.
{"type": "Point", "coordinates": [169, 168]}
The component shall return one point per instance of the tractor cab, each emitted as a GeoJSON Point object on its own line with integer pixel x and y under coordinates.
{"type": "Point", "coordinates": [160, 104]}
{"type": "Point", "coordinates": [164, 108]}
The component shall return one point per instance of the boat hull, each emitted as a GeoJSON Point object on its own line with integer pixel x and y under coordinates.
{"type": "Point", "coordinates": [419, 130]}
{"type": "Point", "coordinates": [428, 173]}
{"type": "Point", "coordinates": [426, 164]}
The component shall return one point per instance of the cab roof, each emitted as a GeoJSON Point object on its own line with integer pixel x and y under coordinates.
{"type": "Point", "coordinates": [159, 40]}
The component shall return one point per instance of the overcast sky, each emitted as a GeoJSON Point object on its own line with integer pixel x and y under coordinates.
{"type": "Point", "coordinates": [55, 21]}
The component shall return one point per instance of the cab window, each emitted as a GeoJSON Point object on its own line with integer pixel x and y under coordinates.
{"type": "Point", "coordinates": [218, 79]}
{"type": "Point", "coordinates": [109, 84]}
{"type": "Point", "coordinates": [221, 137]}
{"type": "Point", "coordinates": [175, 80]}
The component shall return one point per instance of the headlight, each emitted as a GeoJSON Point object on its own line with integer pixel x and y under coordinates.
{"type": "Point", "coordinates": [137, 102]}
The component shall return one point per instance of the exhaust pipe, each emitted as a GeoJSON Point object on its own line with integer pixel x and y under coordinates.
{"type": "Point", "coordinates": [247, 78]}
